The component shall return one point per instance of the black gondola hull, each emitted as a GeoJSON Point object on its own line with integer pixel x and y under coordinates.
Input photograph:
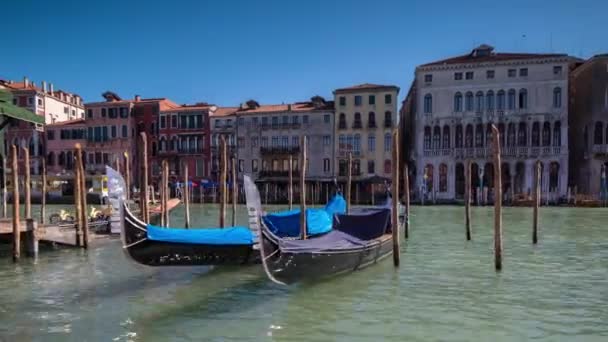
{"type": "Point", "coordinates": [295, 267]}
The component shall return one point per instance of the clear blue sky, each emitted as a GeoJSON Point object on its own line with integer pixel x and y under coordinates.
{"type": "Point", "coordinates": [274, 51]}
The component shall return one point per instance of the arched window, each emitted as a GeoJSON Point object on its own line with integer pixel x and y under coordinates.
{"type": "Point", "coordinates": [479, 135]}
{"type": "Point", "coordinates": [458, 102]}
{"type": "Point", "coordinates": [387, 142]}
{"type": "Point", "coordinates": [536, 134]}
{"type": "Point", "coordinates": [427, 137]}
{"type": "Point", "coordinates": [469, 101]}
{"type": "Point", "coordinates": [357, 143]}
{"type": "Point", "coordinates": [162, 145]}
{"type": "Point", "coordinates": [523, 99]}
{"type": "Point", "coordinates": [443, 178]}
{"type": "Point", "coordinates": [490, 100]}
{"type": "Point", "coordinates": [500, 100]}
{"type": "Point", "coordinates": [356, 167]}
{"type": "Point", "coordinates": [446, 137]}
{"type": "Point", "coordinates": [522, 135]}
{"type": "Point", "coordinates": [546, 134]}
{"type": "Point", "coordinates": [511, 99]}
{"type": "Point", "coordinates": [387, 166]}
{"type": "Point", "coordinates": [436, 138]}
{"type": "Point", "coordinates": [428, 177]}
{"type": "Point", "coordinates": [388, 119]}
{"type": "Point", "coordinates": [598, 135]}
{"type": "Point", "coordinates": [61, 161]}
{"type": "Point", "coordinates": [69, 160]}
{"type": "Point", "coordinates": [479, 102]}
{"type": "Point", "coordinates": [468, 136]}
{"type": "Point", "coordinates": [371, 120]}
{"type": "Point", "coordinates": [501, 132]}
{"type": "Point", "coordinates": [489, 135]}
{"type": "Point", "coordinates": [553, 176]}
{"type": "Point", "coordinates": [511, 135]}
{"type": "Point", "coordinates": [557, 134]}
{"type": "Point", "coordinates": [428, 104]}
{"type": "Point", "coordinates": [342, 121]}
{"type": "Point", "coordinates": [50, 160]}
{"type": "Point", "coordinates": [357, 123]}
{"type": "Point", "coordinates": [557, 97]}
{"type": "Point", "coordinates": [458, 142]}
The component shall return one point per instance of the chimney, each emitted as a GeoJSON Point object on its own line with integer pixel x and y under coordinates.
{"type": "Point", "coordinates": [44, 86]}
{"type": "Point", "coordinates": [51, 88]}
{"type": "Point", "coordinates": [289, 107]}
{"type": "Point", "coordinates": [137, 98]}
{"type": "Point", "coordinates": [26, 82]}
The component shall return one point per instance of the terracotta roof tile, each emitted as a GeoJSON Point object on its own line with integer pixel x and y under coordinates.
{"type": "Point", "coordinates": [66, 123]}
{"type": "Point", "coordinates": [223, 111]}
{"type": "Point", "coordinates": [485, 53]}
{"type": "Point", "coordinates": [295, 107]}
{"type": "Point", "coordinates": [366, 86]}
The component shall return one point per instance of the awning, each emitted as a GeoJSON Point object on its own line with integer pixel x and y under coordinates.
{"type": "Point", "coordinates": [8, 109]}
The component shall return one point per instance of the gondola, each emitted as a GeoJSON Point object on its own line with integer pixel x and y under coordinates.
{"type": "Point", "coordinates": [156, 246]}
{"type": "Point", "coordinates": [357, 240]}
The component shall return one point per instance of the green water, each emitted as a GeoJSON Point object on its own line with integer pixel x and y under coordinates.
{"type": "Point", "coordinates": [445, 290]}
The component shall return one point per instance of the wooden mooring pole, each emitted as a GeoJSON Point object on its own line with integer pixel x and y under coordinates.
{"type": "Point", "coordinates": [497, 201]}
{"type": "Point", "coordinates": [395, 226]}
{"type": "Point", "coordinates": [27, 183]}
{"type": "Point", "coordinates": [302, 163]}
{"type": "Point", "coordinates": [536, 204]}
{"type": "Point", "coordinates": [349, 171]}
{"type": "Point", "coordinates": [143, 183]}
{"type": "Point", "coordinates": [290, 185]}
{"type": "Point", "coordinates": [4, 190]}
{"type": "Point", "coordinates": [16, 223]}
{"type": "Point", "coordinates": [235, 192]}
{"type": "Point", "coordinates": [43, 193]}
{"type": "Point", "coordinates": [186, 196]}
{"type": "Point", "coordinates": [78, 189]}
{"type": "Point", "coordinates": [167, 192]}
{"type": "Point", "coordinates": [467, 200]}
{"type": "Point", "coordinates": [83, 197]}
{"type": "Point", "coordinates": [406, 199]}
{"type": "Point", "coordinates": [162, 190]}
{"type": "Point", "coordinates": [223, 162]}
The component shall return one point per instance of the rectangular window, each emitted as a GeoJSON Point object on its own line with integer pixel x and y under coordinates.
{"type": "Point", "coordinates": [275, 122]}
{"type": "Point", "coordinates": [326, 140]}
{"type": "Point", "coordinates": [295, 141]}
{"type": "Point", "coordinates": [428, 78]}
{"type": "Point", "coordinates": [97, 157]}
{"type": "Point", "coordinates": [275, 142]}
{"type": "Point", "coordinates": [388, 99]}
{"type": "Point", "coordinates": [163, 121]}
{"type": "Point", "coordinates": [371, 143]}
{"type": "Point", "coordinates": [199, 168]}
{"type": "Point", "coordinates": [123, 112]}
{"type": "Point", "coordinates": [358, 100]}
{"type": "Point", "coordinates": [371, 167]}
{"type": "Point", "coordinates": [254, 142]}
{"type": "Point", "coordinates": [183, 121]}
{"type": "Point", "coordinates": [241, 165]}
{"type": "Point", "coordinates": [106, 158]}
{"type": "Point", "coordinates": [103, 112]}
{"type": "Point", "coordinates": [557, 70]}
{"type": "Point", "coordinates": [125, 132]}
{"type": "Point", "coordinates": [254, 165]}
{"type": "Point", "coordinates": [511, 73]}
{"type": "Point", "coordinates": [305, 119]}
{"type": "Point", "coordinates": [113, 131]}
{"type": "Point", "coordinates": [342, 100]}
{"type": "Point", "coordinates": [457, 76]}
{"type": "Point", "coordinates": [105, 133]}
{"type": "Point", "coordinates": [241, 121]}
{"type": "Point", "coordinates": [285, 120]}
{"type": "Point", "coordinates": [469, 75]}
{"type": "Point", "coordinates": [372, 100]}
{"type": "Point", "coordinates": [326, 165]}
{"type": "Point", "coordinates": [264, 121]}
{"type": "Point", "coordinates": [89, 113]}
{"type": "Point", "coordinates": [40, 102]}
{"type": "Point", "coordinates": [97, 134]}
{"type": "Point", "coordinates": [523, 72]}
{"type": "Point", "coordinates": [264, 141]}
{"type": "Point", "coordinates": [326, 118]}
{"type": "Point", "coordinates": [387, 142]}
{"type": "Point", "coordinates": [65, 109]}
{"type": "Point", "coordinates": [174, 121]}
{"type": "Point", "coordinates": [490, 74]}
{"type": "Point", "coordinates": [240, 142]}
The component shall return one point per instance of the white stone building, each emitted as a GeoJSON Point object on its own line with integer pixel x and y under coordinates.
{"type": "Point", "coordinates": [458, 99]}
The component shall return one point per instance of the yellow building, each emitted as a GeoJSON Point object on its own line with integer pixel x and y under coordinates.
{"type": "Point", "coordinates": [366, 115]}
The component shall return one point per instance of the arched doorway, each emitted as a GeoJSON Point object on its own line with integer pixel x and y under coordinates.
{"type": "Point", "coordinates": [459, 180]}
{"type": "Point", "coordinates": [520, 173]}
{"type": "Point", "coordinates": [553, 176]}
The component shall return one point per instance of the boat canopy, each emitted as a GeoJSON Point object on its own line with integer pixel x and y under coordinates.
{"type": "Point", "coordinates": [202, 236]}
{"type": "Point", "coordinates": [318, 221]}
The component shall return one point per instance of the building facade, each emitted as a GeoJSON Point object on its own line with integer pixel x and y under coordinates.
{"type": "Point", "coordinates": [589, 126]}
{"type": "Point", "coordinates": [54, 105]}
{"type": "Point", "coordinates": [184, 140]}
{"type": "Point", "coordinates": [366, 116]}
{"type": "Point", "coordinates": [458, 100]}
{"type": "Point", "coordinates": [268, 135]}
{"type": "Point", "coordinates": [222, 124]}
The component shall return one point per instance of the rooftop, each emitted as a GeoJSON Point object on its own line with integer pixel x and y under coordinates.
{"type": "Point", "coordinates": [316, 103]}
{"type": "Point", "coordinates": [485, 53]}
{"type": "Point", "coordinates": [66, 123]}
{"type": "Point", "coordinates": [367, 86]}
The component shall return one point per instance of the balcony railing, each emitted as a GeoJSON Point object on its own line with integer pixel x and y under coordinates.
{"type": "Point", "coordinates": [275, 173]}
{"type": "Point", "coordinates": [357, 125]}
{"type": "Point", "coordinates": [279, 150]}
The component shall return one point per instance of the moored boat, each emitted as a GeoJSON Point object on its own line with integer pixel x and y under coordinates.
{"type": "Point", "coordinates": [356, 240]}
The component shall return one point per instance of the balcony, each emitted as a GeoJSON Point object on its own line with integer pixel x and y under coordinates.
{"type": "Point", "coordinates": [276, 173]}
{"type": "Point", "coordinates": [265, 151]}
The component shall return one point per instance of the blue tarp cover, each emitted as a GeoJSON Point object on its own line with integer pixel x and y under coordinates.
{"type": "Point", "coordinates": [318, 221]}
{"type": "Point", "coordinates": [202, 236]}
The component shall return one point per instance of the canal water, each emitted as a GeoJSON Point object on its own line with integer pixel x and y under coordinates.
{"type": "Point", "coordinates": [445, 290]}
